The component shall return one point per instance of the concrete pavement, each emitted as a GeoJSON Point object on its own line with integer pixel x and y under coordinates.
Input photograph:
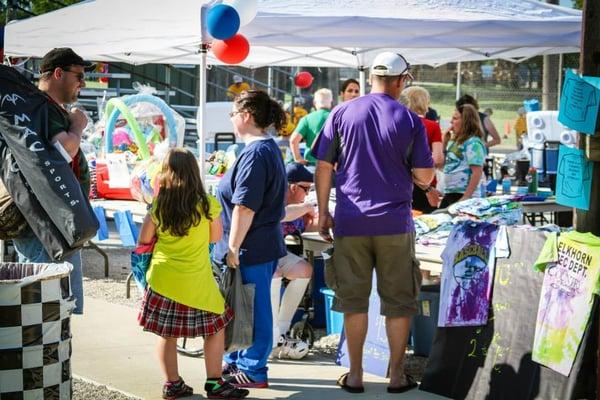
{"type": "Point", "coordinates": [111, 349]}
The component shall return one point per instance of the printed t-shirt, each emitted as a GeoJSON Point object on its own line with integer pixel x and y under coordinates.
{"type": "Point", "coordinates": [257, 181]}
{"type": "Point", "coordinates": [467, 274]}
{"type": "Point", "coordinates": [180, 268]}
{"type": "Point", "coordinates": [309, 127]}
{"type": "Point", "coordinates": [375, 141]}
{"type": "Point", "coordinates": [571, 265]}
{"type": "Point", "coordinates": [459, 159]}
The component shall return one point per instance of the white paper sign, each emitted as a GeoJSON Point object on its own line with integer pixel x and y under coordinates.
{"type": "Point", "coordinates": [118, 173]}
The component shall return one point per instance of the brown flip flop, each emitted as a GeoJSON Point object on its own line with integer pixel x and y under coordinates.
{"type": "Point", "coordinates": [341, 382]}
{"type": "Point", "coordinates": [410, 384]}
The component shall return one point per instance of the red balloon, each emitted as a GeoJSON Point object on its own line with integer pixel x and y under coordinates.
{"type": "Point", "coordinates": [303, 79]}
{"type": "Point", "coordinates": [233, 50]}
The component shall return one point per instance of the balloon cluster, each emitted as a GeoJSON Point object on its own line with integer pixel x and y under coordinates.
{"type": "Point", "coordinates": [223, 21]}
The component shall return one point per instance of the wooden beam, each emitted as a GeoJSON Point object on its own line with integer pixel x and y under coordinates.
{"type": "Point", "coordinates": [589, 63]}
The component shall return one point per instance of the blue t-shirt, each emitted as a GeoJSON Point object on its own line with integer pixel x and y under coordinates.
{"type": "Point", "coordinates": [257, 181]}
{"type": "Point", "coordinates": [375, 142]}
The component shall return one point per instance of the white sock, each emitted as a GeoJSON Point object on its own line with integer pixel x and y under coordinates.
{"type": "Point", "coordinates": [289, 303]}
{"type": "Point", "coordinates": [275, 302]}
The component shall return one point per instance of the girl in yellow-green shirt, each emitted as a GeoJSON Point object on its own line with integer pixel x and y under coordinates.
{"type": "Point", "coordinates": [182, 298]}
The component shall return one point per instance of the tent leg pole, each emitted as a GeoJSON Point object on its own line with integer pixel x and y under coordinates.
{"type": "Point", "coordinates": [201, 120]}
{"type": "Point", "coordinates": [270, 80]}
{"type": "Point", "coordinates": [362, 77]}
{"type": "Point", "coordinates": [560, 79]}
{"type": "Point", "coordinates": [458, 79]}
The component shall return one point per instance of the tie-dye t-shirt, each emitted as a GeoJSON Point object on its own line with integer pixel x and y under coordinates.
{"type": "Point", "coordinates": [571, 265]}
{"type": "Point", "coordinates": [467, 274]}
{"type": "Point", "coordinates": [459, 159]}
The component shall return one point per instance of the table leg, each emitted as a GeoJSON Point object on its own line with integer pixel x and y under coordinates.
{"type": "Point", "coordinates": [95, 247]}
{"type": "Point", "coordinates": [128, 285]}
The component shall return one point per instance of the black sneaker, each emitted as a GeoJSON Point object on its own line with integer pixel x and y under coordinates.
{"type": "Point", "coordinates": [222, 389]}
{"type": "Point", "coordinates": [175, 390]}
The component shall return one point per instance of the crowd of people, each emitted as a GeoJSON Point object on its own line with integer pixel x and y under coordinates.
{"type": "Point", "coordinates": [380, 156]}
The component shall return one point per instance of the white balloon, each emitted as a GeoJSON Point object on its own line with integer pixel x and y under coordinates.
{"type": "Point", "coordinates": [246, 9]}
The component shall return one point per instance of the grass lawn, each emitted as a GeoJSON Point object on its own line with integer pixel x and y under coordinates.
{"type": "Point", "coordinates": [504, 103]}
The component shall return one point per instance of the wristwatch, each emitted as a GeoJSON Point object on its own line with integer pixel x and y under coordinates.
{"type": "Point", "coordinates": [429, 189]}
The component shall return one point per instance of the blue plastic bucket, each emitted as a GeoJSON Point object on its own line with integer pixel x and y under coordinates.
{"type": "Point", "coordinates": [334, 319]}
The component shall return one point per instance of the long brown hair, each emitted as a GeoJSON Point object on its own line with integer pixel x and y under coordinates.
{"type": "Point", "coordinates": [180, 192]}
{"type": "Point", "coordinates": [470, 124]}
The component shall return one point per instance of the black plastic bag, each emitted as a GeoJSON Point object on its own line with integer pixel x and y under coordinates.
{"type": "Point", "coordinates": [239, 333]}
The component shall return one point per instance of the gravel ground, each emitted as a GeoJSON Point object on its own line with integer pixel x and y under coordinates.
{"type": "Point", "coordinates": [86, 390]}
{"type": "Point", "coordinates": [111, 289]}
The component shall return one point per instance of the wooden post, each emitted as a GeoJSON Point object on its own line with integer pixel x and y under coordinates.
{"type": "Point", "coordinates": [589, 63]}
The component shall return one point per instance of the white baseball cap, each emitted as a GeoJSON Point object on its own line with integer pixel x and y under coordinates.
{"type": "Point", "coordinates": [237, 79]}
{"type": "Point", "coordinates": [390, 64]}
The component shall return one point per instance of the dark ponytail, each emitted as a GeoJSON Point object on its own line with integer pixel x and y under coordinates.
{"type": "Point", "coordinates": [264, 110]}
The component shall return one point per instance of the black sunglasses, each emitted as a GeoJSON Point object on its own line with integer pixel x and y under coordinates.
{"type": "Point", "coordinates": [305, 188]}
{"type": "Point", "coordinates": [79, 75]}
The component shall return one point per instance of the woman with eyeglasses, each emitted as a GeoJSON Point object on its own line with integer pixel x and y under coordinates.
{"type": "Point", "coordinates": [350, 89]}
{"type": "Point", "coordinates": [465, 155]}
{"type": "Point", "coordinates": [252, 195]}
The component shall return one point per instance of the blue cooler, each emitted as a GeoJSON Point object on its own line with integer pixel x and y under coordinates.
{"type": "Point", "coordinates": [531, 105]}
{"type": "Point", "coordinates": [335, 319]}
{"type": "Point", "coordinates": [425, 324]}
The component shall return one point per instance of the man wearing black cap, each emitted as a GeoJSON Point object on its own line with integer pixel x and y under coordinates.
{"type": "Point", "coordinates": [62, 77]}
{"type": "Point", "coordinates": [299, 217]}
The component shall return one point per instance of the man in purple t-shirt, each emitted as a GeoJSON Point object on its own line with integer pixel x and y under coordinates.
{"type": "Point", "coordinates": [376, 148]}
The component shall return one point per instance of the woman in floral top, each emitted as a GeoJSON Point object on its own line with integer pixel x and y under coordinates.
{"type": "Point", "coordinates": [465, 155]}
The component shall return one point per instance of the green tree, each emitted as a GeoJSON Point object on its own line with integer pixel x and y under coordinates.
{"type": "Point", "coordinates": [578, 4]}
{"type": "Point", "coordinates": [20, 9]}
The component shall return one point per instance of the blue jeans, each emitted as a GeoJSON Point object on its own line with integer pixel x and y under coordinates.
{"type": "Point", "coordinates": [253, 360]}
{"type": "Point", "coordinates": [31, 250]}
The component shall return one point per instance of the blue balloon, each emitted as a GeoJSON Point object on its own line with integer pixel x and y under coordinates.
{"type": "Point", "coordinates": [222, 21]}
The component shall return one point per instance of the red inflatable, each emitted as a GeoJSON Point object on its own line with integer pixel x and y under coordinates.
{"type": "Point", "coordinates": [105, 191]}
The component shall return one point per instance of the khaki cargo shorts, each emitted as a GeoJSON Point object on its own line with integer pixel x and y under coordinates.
{"type": "Point", "coordinates": [349, 272]}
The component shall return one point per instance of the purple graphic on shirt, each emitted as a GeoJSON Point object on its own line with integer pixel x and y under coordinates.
{"type": "Point", "coordinates": [467, 274]}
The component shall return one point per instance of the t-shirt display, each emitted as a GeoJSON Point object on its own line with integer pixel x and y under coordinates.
{"type": "Point", "coordinates": [375, 142]}
{"type": "Point", "coordinates": [459, 159]}
{"type": "Point", "coordinates": [467, 274]}
{"type": "Point", "coordinates": [571, 265]}
{"type": "Point", "coordinates": [494, 361]}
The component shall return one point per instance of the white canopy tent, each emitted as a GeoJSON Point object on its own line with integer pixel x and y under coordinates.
{"type": "Point", "coordinates": [324, 33]}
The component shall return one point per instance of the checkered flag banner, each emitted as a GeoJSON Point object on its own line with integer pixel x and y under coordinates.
{"type": "Point", "coordinates": [35, 333]}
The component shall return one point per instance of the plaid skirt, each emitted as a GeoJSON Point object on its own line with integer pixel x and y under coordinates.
{"type": "Point", "coordinates": [168, 318]}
